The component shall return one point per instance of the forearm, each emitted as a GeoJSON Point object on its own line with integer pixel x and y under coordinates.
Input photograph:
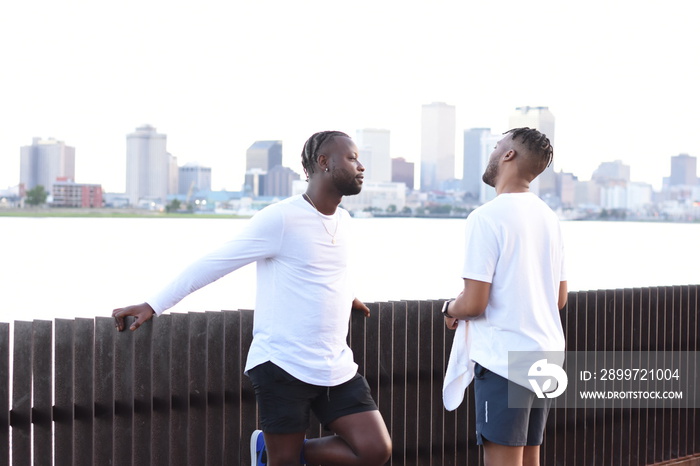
{"type": "Point", "coordinates": [472, 301]}
{"type": "Point", "coordinates": [464, 309]}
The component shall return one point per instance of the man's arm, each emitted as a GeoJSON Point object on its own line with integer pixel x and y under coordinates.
{"type": "Point", "coordinates": [470, 303]}
{"type": "Point", "coordinates": [563, 294]}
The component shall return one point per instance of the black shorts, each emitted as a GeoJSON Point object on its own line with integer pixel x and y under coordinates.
{"type": "Point", "coordinates": [501, 424]}
{"type": "Point", "coordinates": [285, 402]}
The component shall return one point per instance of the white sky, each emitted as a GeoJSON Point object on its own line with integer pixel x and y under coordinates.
{"type": "Point", "coordinates": [622, 77]}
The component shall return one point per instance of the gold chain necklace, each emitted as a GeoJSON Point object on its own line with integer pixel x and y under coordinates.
{"type": "Point", "coordinates": [337, 220]}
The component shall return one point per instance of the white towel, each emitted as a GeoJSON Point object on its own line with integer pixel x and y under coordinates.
{"type": "Point", "coordinates": [460, 369]}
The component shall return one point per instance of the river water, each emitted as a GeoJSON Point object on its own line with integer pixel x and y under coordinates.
{"type": "Point", "coordinates": [84, 267]}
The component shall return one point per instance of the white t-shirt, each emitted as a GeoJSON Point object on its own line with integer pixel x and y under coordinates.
{"type": "Point", "coordinates": [303, 299]}
{"type": "Point", "coordinates": [514, 242]}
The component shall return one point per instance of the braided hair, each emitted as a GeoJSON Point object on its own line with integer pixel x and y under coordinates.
{"type": "Point", "coordinates": [537, 144]}
{"type": "Point", "coordinates": [312, 149]}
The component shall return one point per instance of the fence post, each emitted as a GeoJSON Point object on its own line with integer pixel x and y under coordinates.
{"type": "Point", "coordinates": [4, 394]}
{"type": "Point", "coordinates": [20, 417]}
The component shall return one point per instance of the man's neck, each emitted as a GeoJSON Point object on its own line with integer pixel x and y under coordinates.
{"type": "Point", "coordinates": [323, 202]}
{"type": "Point", "coordinates": [512, 187]}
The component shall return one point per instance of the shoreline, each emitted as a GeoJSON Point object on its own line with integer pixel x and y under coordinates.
{"type": "Point", "coordinates": [140, 213]}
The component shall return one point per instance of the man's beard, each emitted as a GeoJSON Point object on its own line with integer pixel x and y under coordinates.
{"type": "Point", "coordinates": [345, 182]}
{"type": "Point", "coordinates": [489, 176]}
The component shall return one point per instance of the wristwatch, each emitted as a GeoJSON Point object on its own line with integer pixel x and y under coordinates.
{"type": "Point", "coordinates": [445, 306]}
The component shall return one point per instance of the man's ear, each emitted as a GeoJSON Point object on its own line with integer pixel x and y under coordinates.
{"type": "Point", "coordinates": [323, 162]}
{"type": "Point", "coordinates": [510, 155]}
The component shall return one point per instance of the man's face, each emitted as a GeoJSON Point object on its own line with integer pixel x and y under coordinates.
{"type": "Point", "coordinates": [346, 169]}
{"type": "Point", "coordinates": [491, 172]}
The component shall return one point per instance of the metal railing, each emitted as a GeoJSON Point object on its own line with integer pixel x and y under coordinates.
{"type": "Point", "coordinates": [174, 393]}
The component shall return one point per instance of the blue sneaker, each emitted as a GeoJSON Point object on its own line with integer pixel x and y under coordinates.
{"type": "Point", "coordinates": [258, 455]}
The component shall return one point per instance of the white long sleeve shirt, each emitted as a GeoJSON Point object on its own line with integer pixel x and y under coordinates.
{"type": "Point", "coordinates": [303, 299]}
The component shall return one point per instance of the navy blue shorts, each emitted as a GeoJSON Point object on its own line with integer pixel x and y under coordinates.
{"type": "Point", "coordinates": [285, 402]}
{"type": "Point", "coordinates": [496, 422]}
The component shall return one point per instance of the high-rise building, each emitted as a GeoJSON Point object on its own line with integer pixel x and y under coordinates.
{"type": "Point", "coordinates": [541, 119]}
{"type": "Point", "coordinates": [278, 181]}
{"type": "Point", "coordinates": [402, 172]}
{"type": "Point", "coordinates": [151, 172]}
{"type": "Point", "coordinates": [263, 155]}
{"type": "Point", "coordinates": [475, 161]}
{"type": "Point", "coordinates": [254, 184]}
{"type": "Point", "coordinates": [192, 178]}
{"type": "Point", "coordinates": [615, 172]}
{"type": "Point", "coordinates": [437, 145]}
{"type": "Point", "coordinates": [684, 170]}
{"type": "Point", "coordinates": [46, 160]}
{"type": "Point", "coordinates": [373, 145]}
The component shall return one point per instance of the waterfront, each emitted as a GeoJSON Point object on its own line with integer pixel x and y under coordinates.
{"type": "Point", "coordinates": [83, 267]}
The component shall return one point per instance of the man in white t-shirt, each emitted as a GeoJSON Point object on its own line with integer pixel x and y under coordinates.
{"type": "Point", "coordinates": [299, 360]}
{"type": "Point", "coordinates": [514, 286]}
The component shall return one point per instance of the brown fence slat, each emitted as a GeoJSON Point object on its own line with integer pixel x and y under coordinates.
{"type": "Point", "coordinates": [233, 375]}
{"type": "Point", "coordinates": [412, 383]}
{"type": "Point", "coordinates": [425, 379]}
{"type": "Point", "coordinates": [63, 391]}
{"type": "Point", "coordinates": [197, 389]}
{"type": "Point", "coordinates": [20, 418]}
{"type": "Point", "coordinates": [249, 412]}
{"type": "Point", "coordinates": [437, 375]}
{"type": "Point", "coordinates": [398, 382]}
{"type": "Point", "coordinates": [385, 341]}
{"type": "Point", "coordinates": [42, 386]}
{"type": "Point", "coordinates": [694, 346]}
{"type": "Point", "coordinates": [83, 381]}
{"type": "Point", "coordinates": [143, 396]}
{"type": "Point", "coordinates": [105, 334]}
{"type": "Point", "coordinates": [160, 421]}
{"type": "Point", "coordinates": [179, 383]}
{"type": "Point", "coordinates": [215, 389]}
{"type": "Point", "coordinates": [123, 440]}
{"type": "Point", "coordinates": [4, 394]}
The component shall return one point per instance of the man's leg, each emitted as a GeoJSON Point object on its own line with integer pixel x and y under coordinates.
{"type": "Point", "coordinates": [361, 440]}
{"type": "Point", "coordinates": [502, 455]}
{"type": "Point", "coordinates": [510, 435]}
{"type": "Point", "coordinates": [531, 456]}
{"type": "Point", "coordinates": [284, 449]}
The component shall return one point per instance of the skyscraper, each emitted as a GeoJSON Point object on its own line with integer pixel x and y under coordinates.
{"type": "Point", "coordinates": [45, 161]}
{"type": "Point", "coordinates": [194, 176]}
{"type": "Point", "coordinates": [151, 172]}
{"type": "Point", "coordinates": [263, 155]}
{"type": "Point", "coordinates": [541, 119]}
{"type": "Point", "coordinates": [475, 161]}
{"type": "Point", "coordinates": [437, 145]}
{"type": "Point", "coordinates": [373, 145]}
{"type": "Point", "coordinates": [684, 170]}
{"type": "Point", "coordinates": [278, 181]}
{"type": "Point", "coordinates": [402, 172]}
{"type": "Point", "coordinates": [612, 172]}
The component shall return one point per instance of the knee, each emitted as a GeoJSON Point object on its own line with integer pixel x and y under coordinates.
{"type": "Point", "coordinates": [379, 452]}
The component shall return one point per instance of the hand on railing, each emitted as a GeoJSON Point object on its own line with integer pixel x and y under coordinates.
{"type": "Point", "coordinates": [360, 306]}
{"type": "Point", "coordinates": [142, 312]}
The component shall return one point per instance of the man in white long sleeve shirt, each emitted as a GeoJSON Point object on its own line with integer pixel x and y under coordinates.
{"type": "Point", "coordinates": [299, 360]}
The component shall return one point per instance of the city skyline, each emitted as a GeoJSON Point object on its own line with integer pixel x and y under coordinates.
{"type": "Point", "coordinates": [460, 156]}
{"type": "Point", "coordinates": [206, 77]}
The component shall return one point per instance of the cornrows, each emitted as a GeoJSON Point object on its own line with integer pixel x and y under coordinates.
{"type": "Point", "coordinates": [537, 143]}
{"type": "Point", "coordinates": [312, 148]}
